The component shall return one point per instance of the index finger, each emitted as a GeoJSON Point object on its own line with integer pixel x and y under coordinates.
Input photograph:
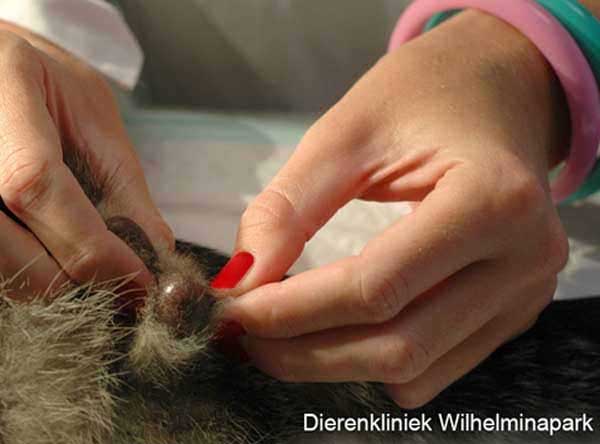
{"type": "Point", "coordinates": [435, 241]}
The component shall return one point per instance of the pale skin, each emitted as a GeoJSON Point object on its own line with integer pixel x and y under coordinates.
{"type": "Point", "coordinates": [464, 121]}
{"type": "Point", "coordinates": [52, 102]}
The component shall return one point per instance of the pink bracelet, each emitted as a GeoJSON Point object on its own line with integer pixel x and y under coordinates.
{"type": "Point", "coordinates": [563, 54]}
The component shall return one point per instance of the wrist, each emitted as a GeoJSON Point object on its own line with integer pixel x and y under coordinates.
{"type": "Point", "coordinates": [527, 84]}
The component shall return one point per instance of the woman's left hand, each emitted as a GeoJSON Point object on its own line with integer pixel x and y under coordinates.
{"type": "Point", "coordinates": [465, 121]}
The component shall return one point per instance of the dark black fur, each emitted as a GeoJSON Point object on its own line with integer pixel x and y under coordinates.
{"type": "Point", "coordinates": [553, 370]}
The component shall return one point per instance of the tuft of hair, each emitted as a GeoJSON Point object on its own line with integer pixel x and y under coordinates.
{"type": "Point", "coordinates": [157, 354]}
{"type": "Point", "coordinates": [55, 366]}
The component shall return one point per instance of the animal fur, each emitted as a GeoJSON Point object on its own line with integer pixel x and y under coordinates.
{"type": "Point", "coordinates": [78, 368]}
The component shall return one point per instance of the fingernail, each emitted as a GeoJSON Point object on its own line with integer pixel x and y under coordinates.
{"type": "Point", "coordinates": [233, 272]}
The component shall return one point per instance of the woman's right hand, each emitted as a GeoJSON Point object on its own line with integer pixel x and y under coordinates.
{"type": "Point", "coordinates": [52, 106]}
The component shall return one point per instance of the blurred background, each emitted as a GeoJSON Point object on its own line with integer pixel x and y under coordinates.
{"type": "Point", "coordinates": [279, 55]}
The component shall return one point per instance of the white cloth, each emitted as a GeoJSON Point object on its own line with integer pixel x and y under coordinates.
{"type": "Point", "coordinates": [93, 30]}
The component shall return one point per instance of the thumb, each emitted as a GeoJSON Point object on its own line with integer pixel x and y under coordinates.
{"type": "Point", "coordinates": [301, 198]}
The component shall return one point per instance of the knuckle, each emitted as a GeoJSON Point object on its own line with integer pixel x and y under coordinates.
{"type": "Point", "coordinates": [524, 197]}
{"type": "Point", "coordinates": [271, 210]}
{"type": "Point", "coordinates": [548, 253]}
{"type": "Point", "coordinates": [87, 260]}
{"type": "Point", "coordinates": [274, 210]}
{"type": "Point", "coordinates": [513, 193]}
{"type": "Point", "coordinates": [380, 297]}
{"type": "Point", "coordinates": [25, 183]}
{"type": "Point", "coordinates": [400, 361]}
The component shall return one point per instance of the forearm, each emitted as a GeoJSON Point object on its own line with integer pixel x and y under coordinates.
{"type": "Point", "coordinates": [538, 73]}
{"type": "Point", "coordinates": [518, 72]}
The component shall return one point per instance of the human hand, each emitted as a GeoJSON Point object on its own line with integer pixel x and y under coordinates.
{"type": "Point", "coordinates": [54, 107]}
{"type": "Point", "coordinates": [465, 121]}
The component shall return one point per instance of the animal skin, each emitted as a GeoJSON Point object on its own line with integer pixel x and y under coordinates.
{"type": "Point", "coordinates": [82, 366]}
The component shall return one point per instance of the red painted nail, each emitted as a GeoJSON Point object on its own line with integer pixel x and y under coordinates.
{"type": "Point", "coordinates": [233, 272]}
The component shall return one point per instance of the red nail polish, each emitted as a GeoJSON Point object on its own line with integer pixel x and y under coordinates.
{"type": "Point", "coordinates": [233, 272]}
